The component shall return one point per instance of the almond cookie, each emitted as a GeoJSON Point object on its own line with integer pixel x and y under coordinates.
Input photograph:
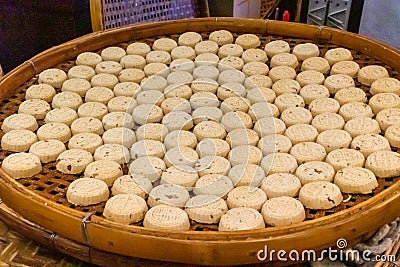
{"type": "Point", "coordinates": [168, 194]}
{"type": "Point", "coordinates": [341, 158]}
{"type": "Point", "coordinates": [53, 77]}
{"type": "Point", "coordinates": [282, 72]}
{"type": "Point", "coordinates": [221, 37]}
{"type": "Point", "coordinates": [279, 162]}
{"type": "Point", "coordinates": [248, 41]}
{"type": "Point", "coordinates": [99, 94]}
{"type": "Point", "coordinates": [227, 50]}
{"type": "Point", "coordinates": [230, 62]}
{"type": "Point", "coordinates": [241, 218]}
{"type": "Point", "coordinates": [113, 53]}
{"type": "Point", "coordinates": [368, 74]}
{"type": "Point", "coordinates": [138, 48]}
{"type": "Point", "coordinates": [105, 170]}
{"type": "Point", "coordinates": [232, 76]}
{"type": "Point", "coordinates": [254, 55]}
{"type": "Point", "coordinates": [87, 191]}
{"type": "Point", "coordinates": [261, 110]}
{"type": "Point", "coordinates": [206, 114]}
{"type": "Point", "coordinates": [388, 117]}
{"type": "Point", "coordinates": [246, 175]}
{"type": "Point", "coordinates": [209, 129]}
{"type": "Point", "coordinates": [182, 64]}
{"type": "Point", "coordinates": [351, 94]}
{"type": "Point", "coordinates": [148, 166]}
{"type": "Point", "coordinates": [276, 47]}
{"type": "Point", "coordinates": [334, 139]}
{"type": "Point", "coordinates": [147, 113]}
{"type": "Point", "coordinates": [316, 63]}
{"type": "Point", "coordinates": [385, 85]}
{"type": "Point", "coordinates": [40, 91]}
{"type": "Point", "coordinates": [21, 165]}
{"type": "Point", "coordinates": [281, 211]}
{"type": "Point", "coordinates": [119, 135]}
{"type": "Point", "coordinates": [288, 100]}
{"type": "Point", "coordinates": [313, 91]}
{"type": "Point", "coordinates": [286, 86]}
{"type": "Point", "coordinates": [47, 151]}
{"type": "Point", "coordinates": [258, 81]}
{"type": "Point", "coordinates": [67, 100]}
{"type": "Point", "coordinates": [178, 120]}
{"type": "Point", "coordinates": [167, 218]}
{"type": "Point", "coordinates": [240, 137]}
{"type": "Point", "coordinates": [295, 115]}
{"type": "Point", "coordinates": [209, 146]}
{"type": "Point", "coordinates": [204, 85]}
{"type": "Point", "coordinates": [212, 165]}
{"type": "Point", "coordinates": [281, 184]}
{"type": "Point", "coordinates": [36, 107]}
{"type": "Point", "coordinates": [157, 82]}
{"type": "Point", "coordinates": [19, 121]}
{"type": "Point", "coordinates": [160, 69]}
{"type": "Point", "coordinates": [121, 104]}
{"type": "Point", "coordinates": [327, 121]}
{"type": "Point", "coordinates": [115, 152]}
{"type": "Point", "coordinates": [356, 180]}
{"type": "Point", "coordinates": [88, 59]}
{"type": "Point", "coordinates": [129, 89]}
{"type": "Point", "coordinates": [152, 131]}
{"type": "Point", "coordinates": [383, 101]}
{"type": "Point", "coordinates": [370, 143]}
{"type": "Point", "coordinates": [183, 52]}
{"type": "Point", "coordinates": [132, 184]}
{"type": "Point", "coordinates": [61, 115]}
{"type": "Point", "coordinates": [125, 209]}
{"type": "Point", "coordinates": [81, 72]}
{"type": "Point", "coordinates": [79, 86]}
{"type": "Point", "coordinates": [117, 119]}
{"type": "Point", "coordinates": [384, 164]}
{"type": "Point", "coordinates": [310, 77]}
{"type": "Point", "coordinates": [213, 184]}
{"type": "Point", "coordinates": [158, 57]}
{"type": "Point", "coordinates": [255, 68]}
{"type": "Point", "coordinates": [18, 140]}
{"type": "Point", "coordinates": [131, 75]}
{"type": "Point", "coordinates": [320, 195]}
{"type": "Point", "coordinates": [176, 90]}
{"type": "Point", "coordinates": [206, 208]}
{"type": "Point", "coordinates": [284, 59]}
{"type": "Point", "coordinates": [392, 134]}
{"type": "Point", "coordinates": [175, 104]}
{"type": "Point", "coordinates": [261, 94]}
{"type": "Point", "coordinates": [133, 61]}
{"type": "Point", "coordinates": [73, 161]}
{"type": "Point", "coordinates": [338, 81]}
{"type": "Point", "coordinates": [179, 77]}
{"type": "Point", "coordinates": [85, 141]}
{"type": "Point", "coordinates": [301, 132]}
{"type": "Point", "coordinates": [206, 71]}
{"type": "Point", "coordinates": [179, 138]}
{"type": "Point", "coordinates": [245, 154]}
{"type": "Point", "coordinates": [355, 109]}
{"type": "Point", "coordinates": [54, 130]}
{"type": "Point", "coordinates": [181, 156]}
{"type": "Point", "coordinates": [349, 68]}
{"type": "Point", "coordinates": [110, 67]}
{"type": "Point", "coordinates": [87, 125]}
{"type": "Point", "coordinates": [231, 89]}
{"type": "Point", "coordinates": [306, 50]}
{"type": "Point", "coordinates": [206, 47]}
{"type": "Point", "coordinates": [235, 103]}
{"type": "Point", "coordinates": [338, 54]}
{"type": "Point", "coordinates": [104, 80]}
{"type": "Point", "coordinates": [362, 125]}
{"type": "Point", "coordinates": [308, 151]}
{"type": "Point", "coordinates": [313, 171]}
{"type": "Point", "coordinates": [236, 119]}
{"type": "Point", "coordinates": [164, 44]}
{"type": "Point", "coordinates": [91, 109]}
{"type": "Point", "coordinates": [323, 105]}
{"type": "Point", "coordinates": [245, 196]}
{"type": "Point", "coordinates": [269, 125]}
{"type": "Point", "coordinates": [154, 97]}
{"type": "Point", "coordinates": [274, 143]}
{"type": "Point", "coordinates": [182, 175]}
{"type": "Point", "coordinates": [189, 39]}
{"type": "Point", "coordinates": [208, 59]}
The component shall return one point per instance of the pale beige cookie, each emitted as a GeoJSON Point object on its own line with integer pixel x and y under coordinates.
{"type": "Point", "coordinates": [180, 138]}
{"type": "Point", "coordinates": [255, 68]}
{"type": "Point", "coordinates": [147, 113]}
{"type": "Point", "coordinates": [221, 37]}
{"type": "Point", "coordinates": [351, 94]}
{"type": "Point", "coordinates": [277, 47]}
{"type": "Point", "coordinates": [320, 195]}
{"type": "Point", "coordinates": [54, 130]}
{"type": "Point", "coordinates": [336, 55]}
{"type": "Point", "coordinates": [158, 57]}
{"type": "Point", "coordinates": [164, 44]}
{"type": "Point", "coordinates": [85, 141]}
{"type": "Point", "coordinates": [323, 105]}
{"type": "Point", "coordinates": [175, 104]}
{"type": "Point", "coordinates": [274, 143]}
{"type": "Point", "coordinates": [313, 171]}
{"type": "Point", "coordinates": [131, 75]}
{"type": "Point", "coordinates": [269, 125]}
{"type": "Point", "coordinates": [306, 50]}
{"type": "Point", "coordinates": [288, 100]}
{"type": "Point", "coordinates": [147, 148]}
{"type": "Point", "coordinates": [61, 115]}
{"type": "Point", "coordinates": [125, 209]}
{"type": "Point", "coordinates": [181, 156]}
{"type": "Point", "coordinates": [53, 77]}
{"type": "Point", "coordinates": [148, 166]}
{"type": "Point", "coordinates": [117, 119]}
{"type": "Point", "coordinates": [370, 143]}
{"type": "Point", "coordinates": [121, 104]}
{"type": "Point", "coordinates": [119, 135]}
{"type": "Point", "coordinates": [115, 152]}
{"type": "Point", "coordinates": [168, 194]}
{"type": "Point", "coordinates": [133, 61]}
{"type": "Point", "coordinates": [209, 146]}
{"type": "Point", "coordinates": [183, 52]}
{"type": "Point", "coordinates": [81, 72]}
{"type": "Point", "coordinates": [189, 39]}
{"type": "Point", "coordinates": [245, 154]}
{"type": "Point", "coordinates": [231, 75]}
{"type": "Point", "coordinates": [179, 77]}
{"type": "Point", "coordinates": [384, 164]}
{"type": "Point", "coordinates": [153, 97]}
{"type": "Point", "coordinates": [166, 218]}
{"type": "Point", "coordinates": [327, 121]}
{"type": "Point", "coordinates": [88, 59]}
{"type": "Point", "coordinates": [231, 89]}
{"type": "Point", "coordinates": [87, 125]}
{"type": "Point", "coordinates": [295, 115]}
{"type": "Point", "coordinates": [388, 117]}
{"type": "Point", "coordinates": [209, 129]}
{"type": "Point", "coordinates": [67, 100]}
{"type": "Point", "coordinates": [316, 63]}
{"type": "Point", "coordinates": [310, 77]}
{"type": "Point", "coordinates": [206, 208]}
{"type": "Point", "coordinates": [104, 80]}
{"type": "Point", "coordinates": [129, 89]}
{"type": "Point", "coordinates": [392, 134]}
{"type": "Point", "coordinates": [261, 94]}
{"type": "Point", "coordinates": [362, 125]}
{"type": "Point", "coordinates": [156, 83]}
{"type": "Point", "coordinates": [355, 109]}
{"type": "Point", "coordinates": [178, 120]}
{"type": "Point", "coordinates": [230, 50]}
{"type": "Point", "coordinates": [356, 180]}
{"type": "Point", "coordinates": [132, 184]}
{"type": "Point", "coordinates": [282, 72]}
{"type": "Point", "coordinates": [105, 170]}
{"type": "Point", "coordinates": [313, 91]}
{"type": "Point", "coordinates": [242, 136]}
{"type": "Point", "coordinates": [246, 175]}
{"type": "Point", "coordinates": [206, 47]}
{"type": "Point", "coordinates": [299, 133]}
{"type": "Point", "coordinates": [368, 74]}
{"type": "Point", "coordinates": [241, 218]}
{"type": "Point", "coordinates": [41, 91]}
{"type": "Point", "coordinates": [248, 41]}
{"type": "Point", "coordinates": [385, 85]}
{"type": "Point", "coordinates": [21, 165]}
{"type": "Point", "coordinates": [208, 59]}
{"type": "Point", "coordinates": [87, 191]}
{"type": "Point", "coordinates": [213, 184]}
{"type": "Point", "coordinates": [230, 62]}
{"type": "Point", "coordinates": [156, 68]}
{"type": "Point", "coordinates": [284, 59]}
{"type": "Point", "coordinates": [204, 85]}
{"type": "Point", "coordinates": [177, 90]}
{"type": "Point", "coordinates": [254, 55]}
{"type": "Point", "coordinates": [235, 103]}
{"type": "Point", "coordinates": [152, 131]}
{"type": "Point", "coordinates": [92, 109]}
{"type": "Point", "coordinates": [286, 86]}
{"type": "Point", "coordinates": [18, 140]}
{"type": "Point", "coordinates": [36, 107]}
{"type": "Point", "coordinates": [19, 121]}
{"type": "Point", "coordinates": [349, 68]}
{"type": "Point", "coordinates": [138, 48]}
{"type": "Point", "coordinates": [341, 158]}
{"type": "Point", "coordinates": [281, 211]}
{"type": "Point", "coordinates": [258, 81]}
{"type": "Point", "coordinates": [47, 151]}
{"type": "Point", "coordinates": [79, 86]}
{"type": "Point", "coordinates": [113, 53]}
{"type": "Point", "coordinates": [334, 139]}
{"type": "Point", "coordinates": [235, 120]}
{"type": "Point", "coordinates": [261, 110]}
{"type": "Point", "coordinates": [206, 71]}
{"type": "Point", "coordinates": [308, 151]}
{"type": "Point", "coordinates": [73, 161]}
{"type": "Point", "coordinates": [206, 114]}
{"type": "Point", "coordinates": [245, 196]}
{"type": "Point", "coordinates": [278, 163]}
{"type": "Point", "coordinates": [110, 67]}
{"type": "Point", "coordinates": [182, 175]}
{"type": "Point", "coordinates": [281, 184]}
{"type": "Point", "coordinates": [212, 165]}
{"type": "Point", "coordinates": [182, 64]}
{"type": "Point", "coordinates": [383, 101]}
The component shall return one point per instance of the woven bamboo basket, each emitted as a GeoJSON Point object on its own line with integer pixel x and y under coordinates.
{"type": "Point", "coordinates": [84, 233]}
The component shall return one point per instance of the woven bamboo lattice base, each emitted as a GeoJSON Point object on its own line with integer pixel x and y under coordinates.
{"type": "Point", "coordinates": [50, 186]}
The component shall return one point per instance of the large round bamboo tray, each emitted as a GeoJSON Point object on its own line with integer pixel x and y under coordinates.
{"type": "Point", "coordinates": [41, 199]}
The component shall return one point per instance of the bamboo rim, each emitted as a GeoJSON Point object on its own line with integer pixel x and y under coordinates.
{"type": "Point", "coordinates": [204, 247]}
